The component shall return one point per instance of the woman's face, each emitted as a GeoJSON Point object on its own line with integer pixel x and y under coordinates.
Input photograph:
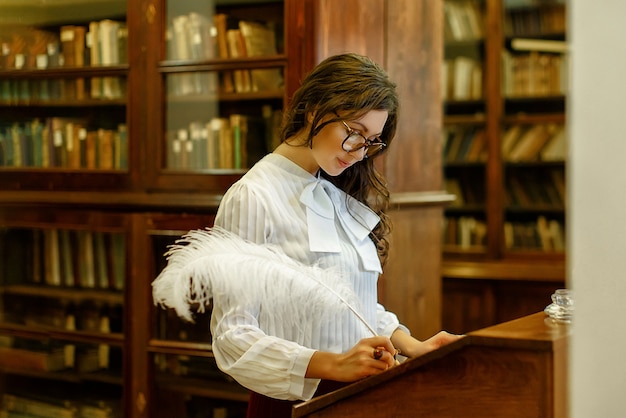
{"type": "Point", "coordinates": [327, 144]}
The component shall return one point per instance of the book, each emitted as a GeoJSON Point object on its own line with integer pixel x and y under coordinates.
{"type": "Point", "coordinates": [47, 408]}
{"type": "Point", "coordinates": [120, 159]}
{"type": "Point", "coordinates": [239, 129]}
{"type": "Point", "coordinates": [556, 148]}
{"type": "Point", "coordinates": [86, 256]}
{"type": "Point", "coordinates": [52, 261]}
{"type": "Point", "coordinates": [529, 143]}
{"type": "Point", "coordinates": [105, 149]}
{"type": "Point", "coordinates": [67, 262]}
{"type": "Point", "coordinates": [237, 49]}
{"type": "Point", "coordinates": [31, 360]}
{"type": "Point", "coordinates": [543, 45]}
{"type": "Point", "coordinates": [101, 266]}
{"type": "Point", "coordinates": [221, 26]}
{"type": "Point", "coordinates": [93, 44]}
{"type": "Point", "coordinates": [109, 53]}
{"type": "Point", "coordinates": [72, 144]}
{"type": "Point", "coordinates": [260, 40]}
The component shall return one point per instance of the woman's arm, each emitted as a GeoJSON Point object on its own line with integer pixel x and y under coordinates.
{"type": "Point", "coordinates": [357, 363]}
{"type": "Point", "coordinates": [412, 347]}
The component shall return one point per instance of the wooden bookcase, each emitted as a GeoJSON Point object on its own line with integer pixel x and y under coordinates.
{"type": "Point", "coordinates": [139, 198]}
{"type": "Point", "coordinates": [505, 155]}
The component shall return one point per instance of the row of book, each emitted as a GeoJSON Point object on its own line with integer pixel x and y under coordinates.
{"type": "Point", "coordinates": [233, 142]}
{"type": "Point", "coordinates": [194, 36]}
{"type": "Point", "coordinates": [190, 366]}
{"type": "Point", "coordinates": [467, 232]}
{"type": "Point", "coordinates": [464, 232]}
{"type": "Point", "coordinates": [519, 143]}
{"type": "Point", "coordinates": [543, 234]}
{"type": "Point", "coordinates": [60, 142]}
{"type": "Point", "coordinates": [100, 43]}
{"type": "Point", "coordinates": [69, 258]}
{"type": "Point", "coordinates": [27, 406]}
{"type": "Point", "coordinates": [531, 19]}
{"type": "Point", "coordinates": [534, 188]}
{"type": "Point", "coordinates": [68, 91]}
{"type": "Point", "coordinates": [468, 190]}
{"type": "Point", "coordinates": [55, 356]}
{"type": "Point", "coordinates": [462, 79]}
{"type": "Point", "coordinates": [464, 144]}
{"type": "Point", "coordinates": [534, 142]}
{"type": "Point", "coordinates": [534, 74]}
{"type": "Point", "coordinates": [462, 20]}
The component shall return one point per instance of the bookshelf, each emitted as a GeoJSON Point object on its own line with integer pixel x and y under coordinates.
{"type": "Point", "coordinates": [505, 147]}
{"type": "Point", "coordinates": [158, 97]}
{"type": "Point", "coordinates": [121, 124]}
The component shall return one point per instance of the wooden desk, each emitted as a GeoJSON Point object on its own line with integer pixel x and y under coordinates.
{"type": "Point", "coordinates": [514, 369]}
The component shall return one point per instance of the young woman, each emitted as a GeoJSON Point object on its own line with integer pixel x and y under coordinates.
{"type": "Point", "coordinates": [317, 200]}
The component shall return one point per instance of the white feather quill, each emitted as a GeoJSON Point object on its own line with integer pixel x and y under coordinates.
{"type": "Point", "coordinates": [216, 264]}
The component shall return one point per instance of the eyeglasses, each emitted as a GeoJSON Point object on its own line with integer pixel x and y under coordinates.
{"type": "Point", "coordinates": [356, 141]}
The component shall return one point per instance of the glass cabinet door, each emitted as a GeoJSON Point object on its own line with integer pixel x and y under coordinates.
{"type": "Point", "coordinates": [63, 91]}
{"type": "Point", "coordinates": [61, 314]}
{"type": "Point", "coordinates": [187, 381]}
{"type": "Point", "coordinates": [464, 135]}
{"type": "Point", "coordinates": [534, 137]}
{"type": "Point", "coordinates": [223, 75]}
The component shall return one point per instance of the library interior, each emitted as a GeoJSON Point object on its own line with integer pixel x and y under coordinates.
{"type": "Point", "coordinates": [123, 123]}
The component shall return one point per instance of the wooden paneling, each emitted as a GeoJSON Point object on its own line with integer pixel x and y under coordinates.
{"type": "Point", "coordinates": [350, 26]}
{"type": "Point", "coordinates": [410, 285]}
{"type": "Point", "coordinates": [414, 57]}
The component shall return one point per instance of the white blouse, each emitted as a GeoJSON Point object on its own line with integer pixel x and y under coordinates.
{"type": "Point", "coordinates": [315, 223]}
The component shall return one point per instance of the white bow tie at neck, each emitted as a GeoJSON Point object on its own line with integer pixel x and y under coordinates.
{"type": "Point", "coordinates": [323, 202]}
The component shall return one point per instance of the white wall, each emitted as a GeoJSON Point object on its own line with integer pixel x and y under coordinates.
{"type": "Point", "coordinates": [597, 207]}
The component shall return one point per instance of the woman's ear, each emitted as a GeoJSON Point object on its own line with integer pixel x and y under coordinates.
{"type": "Point", "coordinates": [309, 117]}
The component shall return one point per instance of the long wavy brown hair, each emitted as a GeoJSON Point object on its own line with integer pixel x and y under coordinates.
{"type": "Point", "coordinates": [351, 85]}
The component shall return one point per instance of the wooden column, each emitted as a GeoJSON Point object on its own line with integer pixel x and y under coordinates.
{"type": "Point", "coordinates": [411, 285]}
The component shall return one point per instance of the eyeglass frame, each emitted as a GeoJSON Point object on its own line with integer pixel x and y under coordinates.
{"type": "Point", "coordinates": [366, 144]}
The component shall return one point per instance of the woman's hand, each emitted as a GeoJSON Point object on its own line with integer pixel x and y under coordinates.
{"type": "Point", "coordinates": [411, 347]}
{"type": "Point", "coordinates": [368, 357]}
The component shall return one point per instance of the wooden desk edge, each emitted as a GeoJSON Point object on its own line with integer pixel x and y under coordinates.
{"type": "Point", "coordinates": [530, 332]}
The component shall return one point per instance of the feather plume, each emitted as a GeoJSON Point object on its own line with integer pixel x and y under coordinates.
{"type": "Point", "coordinates": [216, 264]}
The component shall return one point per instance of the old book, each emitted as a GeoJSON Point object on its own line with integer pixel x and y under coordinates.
{"type": "Point", "coordinates": [52, 257]}
{"type": "Point", "coordinates": [91, 144]}
{"type": "Point", "coordinates": [260, 40]}
{"type": "Point", "coordinates": [48, 408]}
{"type": "Point", "coordinates": [237, 49]}
{"type": "Point", "coordinates": [93, 44]}
{"type": "Point", "coordinates": [68, 59]}
{"type": "Point", "coordinates": [556, 148]}
{"type": "Point", "coordinates": [213, 145]}
{"type": "Point", "coordinates": [108, 38]}
{"type": "Point", "coordinates": [121, 147]}
{"type": "Point", "coordinates": [31, 360]}
{"type": "Point", "coordinates": [530, 143]}
{"type": "Point", "coordinates": [79, 59]}
{"type": "Point", "coordinates": [72, 145]}
{"type": "Point", "coordinates": [87, 272]}
{"type": "Point", "coordinates": [67, 259]}
{"type": "Point", "coordinates": [104, 149]}
{"type": "Point", "coordinates": [221, 26]}
{"type": "Point", "coordinates": [117, 261]}
{"type": "Point", "coordinates": [100, 260]}
{"type": "Point", "coordinates": [239, 129]}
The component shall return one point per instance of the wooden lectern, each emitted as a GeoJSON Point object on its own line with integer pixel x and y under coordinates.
{"type": "Point", "coordinates": [514, 369]}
